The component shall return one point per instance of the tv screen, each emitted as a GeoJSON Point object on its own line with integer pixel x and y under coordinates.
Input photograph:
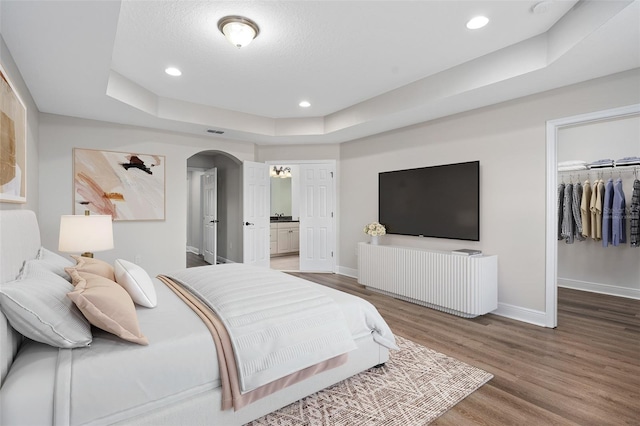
{"type": "Point", "coordinates": [439, 201]}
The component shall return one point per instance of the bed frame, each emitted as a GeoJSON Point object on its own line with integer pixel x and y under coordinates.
{"type": "Point", "coordinates": [20, 241]}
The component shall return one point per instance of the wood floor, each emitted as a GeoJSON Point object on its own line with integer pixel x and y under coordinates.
{"type": "Point", "coordinates": [585, 372]}
{"type": "Point", "coordinates": [194, 260]}
{"type": "Point", "coordinates": [281, 263]}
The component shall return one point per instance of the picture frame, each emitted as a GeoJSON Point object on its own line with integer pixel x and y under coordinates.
{"type": "Point", "coordinates": [13, 143]}
{"type": "Point", "coordinates": [126, 185]}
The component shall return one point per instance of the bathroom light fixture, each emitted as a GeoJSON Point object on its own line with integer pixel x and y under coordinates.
{"type": "Point", "coordinates": [240, 31]}
{"type": "Point", "coordinates": [477, 22]}
{"type": "Point", "coordinates": [281, 172]}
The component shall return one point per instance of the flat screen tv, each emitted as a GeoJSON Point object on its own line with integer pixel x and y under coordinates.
{"type": "Point", "coordinates": [440, 201]}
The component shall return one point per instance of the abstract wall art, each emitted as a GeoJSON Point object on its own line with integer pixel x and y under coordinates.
{"type": "Point", "coordinates": [125, 185]}
{"type": "Point", "coordinates": [13, 143]}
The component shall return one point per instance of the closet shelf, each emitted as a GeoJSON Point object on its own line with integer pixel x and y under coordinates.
{"type": "Point", "coordinates": [603, 170]}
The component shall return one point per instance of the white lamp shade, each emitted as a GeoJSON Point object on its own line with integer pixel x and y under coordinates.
{"type": "Point", "coordinates": [80, 233]}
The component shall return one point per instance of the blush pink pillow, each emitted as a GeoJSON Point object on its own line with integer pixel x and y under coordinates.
{"type": "Point", "coordinates": [106, 305]}
{"type": "Point", "coordinates": [94, 266]}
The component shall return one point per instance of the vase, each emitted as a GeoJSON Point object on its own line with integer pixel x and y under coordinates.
{"type": "Point", "coordinates": [374, 240]}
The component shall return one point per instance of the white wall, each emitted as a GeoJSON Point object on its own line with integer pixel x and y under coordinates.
{"type": "Point", "coordinates": [297, 152]}
{"type": "Point", "coordinates": [587, 265]}
{"type": "Point", "coordinates": [13, 74]}
{"type": "Point", "coordinates": [509, 140]}
{"type": "Point", "coordinates": [160, 244]}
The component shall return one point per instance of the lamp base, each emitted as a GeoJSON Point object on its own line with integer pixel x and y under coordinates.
{"type": "Point", "coordinates": [87, 254]}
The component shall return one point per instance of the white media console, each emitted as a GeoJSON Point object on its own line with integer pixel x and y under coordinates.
{"type": "Point", "coordinates": [466, 286]}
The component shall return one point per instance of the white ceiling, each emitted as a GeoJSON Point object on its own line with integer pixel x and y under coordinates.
{"type": "Point", "coordinates": [365, 66]}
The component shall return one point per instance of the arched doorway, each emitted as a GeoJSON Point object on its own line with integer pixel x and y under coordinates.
{"type": "Point", "coordinates": [229, 204]}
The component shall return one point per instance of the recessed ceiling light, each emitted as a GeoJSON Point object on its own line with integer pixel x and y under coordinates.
{"type": "Point", "coordinates": [305, 104]}
{"type": "Point", "coordinates": [175, 72]}
{"type": "Point", "coordinates": [477, 22]}
{"type": "Point", "coordinates": [542, 7]}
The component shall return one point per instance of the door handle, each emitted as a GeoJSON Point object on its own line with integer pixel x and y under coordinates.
{"type": "Point", "coordinates": [214, 221]}
{"type": "Point", "coordinates": [248, 224]}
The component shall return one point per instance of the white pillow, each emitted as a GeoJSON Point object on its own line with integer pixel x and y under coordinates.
{"type": "Point", "coordinates": [54, 262]}
{"type": "Point", "coordinates": [137, 282]}
{"type": "Point", "coordinates": [37, 306]}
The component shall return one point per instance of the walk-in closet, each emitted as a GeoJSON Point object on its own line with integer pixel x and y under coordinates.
{"type": "Point", "coordinates": [596, 243]}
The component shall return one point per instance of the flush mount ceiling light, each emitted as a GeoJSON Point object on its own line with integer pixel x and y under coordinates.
{"type": "Point", "coordinates": [477, 22]}
{"type": "Point", "coordinates": [175, 72]}
{"type": "Point", "coordinates": [305, 104]}
{"type": "Point", "coordinates": [240, 31]}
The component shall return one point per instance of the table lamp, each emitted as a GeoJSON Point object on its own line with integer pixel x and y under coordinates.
{"type": "Point", "coordinates": [85, 233]}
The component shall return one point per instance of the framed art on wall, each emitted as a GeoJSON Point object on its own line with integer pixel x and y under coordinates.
{"type": "Point", "coordinates": [125, 185]}
{"type": "Point", "coordinates": [13, 143]}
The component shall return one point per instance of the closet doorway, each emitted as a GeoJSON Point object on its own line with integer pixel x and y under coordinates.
{"type": "Point", "coordinates": [615, 270]}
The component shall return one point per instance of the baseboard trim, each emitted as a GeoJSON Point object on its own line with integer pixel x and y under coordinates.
{"type": "Point", "coordinates": [612, 290]}
{"type": "Point", "coordinates": [519, 313]}
{"type": "Point", "coordinates": [349, 272]}
{"type": "Point", "coordinates": [193, 250]}
{"type": "Point", "coordinates": [221, 259]}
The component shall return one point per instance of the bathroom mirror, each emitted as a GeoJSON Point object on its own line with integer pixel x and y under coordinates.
{"type": "Point", "coordinates": [280, 196]}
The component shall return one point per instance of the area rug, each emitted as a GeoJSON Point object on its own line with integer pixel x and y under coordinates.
{"type": "Point", "coordinates": [416, 386]}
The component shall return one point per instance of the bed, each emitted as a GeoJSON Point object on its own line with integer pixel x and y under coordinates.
{"type": "Point", "coordinates": [174, 379]}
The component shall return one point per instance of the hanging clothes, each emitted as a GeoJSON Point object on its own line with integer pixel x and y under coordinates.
{"type": "Point", "coordinates": [634, 218]}
{"type": "Point", "coordinates": [577, 214]}
{"type": "Point", "coordinates": [607, 210]}
{"type": "Point", "coordinates": [567, 215]}
{"type": "Point", "coordinates": [585, 212]}
{"type": "Point", "coordinates": [560, 209]}
{"type": "Point", "coordinates": [618, 215]}
{"type": "Point", "coordinates": [596, 209]}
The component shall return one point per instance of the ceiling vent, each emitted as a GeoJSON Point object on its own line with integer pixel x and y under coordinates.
{"type": "Point", "coordinates": [216, 132]}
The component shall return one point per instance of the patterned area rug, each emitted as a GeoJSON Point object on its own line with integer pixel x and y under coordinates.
{"type": "Point", "coordinates": [414, 387]}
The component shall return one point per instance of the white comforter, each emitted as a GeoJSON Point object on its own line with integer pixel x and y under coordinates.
{"type": "Point", "coordinates": [278, 324]}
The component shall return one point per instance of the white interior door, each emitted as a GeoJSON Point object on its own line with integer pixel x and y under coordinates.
{"type": "Point", "coordinates": [255, 224]}
{"type": "Point", "coordinates": [209, 182]}
{"type": "Point", "coordinates": [317, 235]}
